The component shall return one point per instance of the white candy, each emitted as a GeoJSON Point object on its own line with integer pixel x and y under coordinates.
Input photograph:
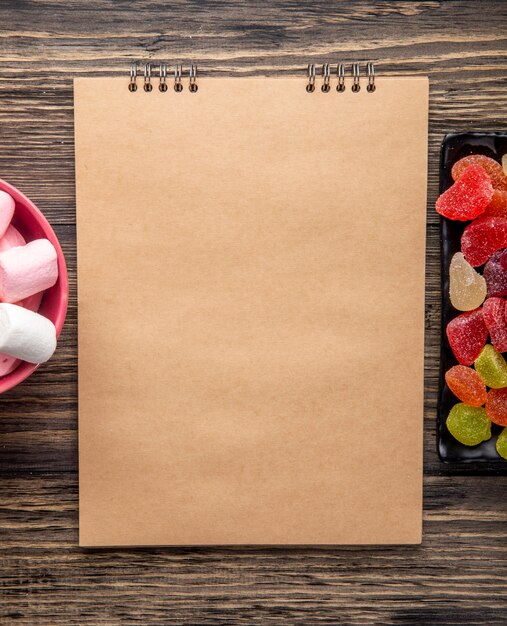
{"type": "Point", "coordinates": [26, 335]}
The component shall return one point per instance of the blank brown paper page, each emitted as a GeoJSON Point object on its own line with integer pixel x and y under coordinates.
{"type": "Point", "coordinates": [251, 312]}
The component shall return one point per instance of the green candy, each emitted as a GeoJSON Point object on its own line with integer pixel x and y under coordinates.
{"type": "Point", "coordinates": [501, 444]}
{"type": "Point", "coordinates": [469, 424]}
{"type": "Point", "coordinates": [492, 367]}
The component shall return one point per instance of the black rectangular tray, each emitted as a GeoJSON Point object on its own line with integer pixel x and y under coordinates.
{"type": "Point", "coordinates": [454, 147]}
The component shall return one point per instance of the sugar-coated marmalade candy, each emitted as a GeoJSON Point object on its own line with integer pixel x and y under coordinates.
{"type": "Point", "coordinates": [496, 406]}
{"type": "Point", "coordinates": [482, 237]}
{"type": "Point", "coordinates": [498, 205]}
{"type": "Point", "coordinates": [467, 335]}
{"type": "Point", "coordinates": [493, 312]}
{"type": "Point", "coordinates": [468, 424]}
{"type": "Point", "coordinates": [496, 275]}
{"type": "Point", "coordinates": [502, 255]}
{"type": "Point", "coordinates": [466, 384]}
{"type": "Point", "coordinates": [467, 288]}
{"type": "Point", "coordinates": [490, 166]}
{"type": "Point", "coordinates": [492, 367]}
{"type": "Point", "coordinates": [501, 444]}
{"type": "Point", "coordinates": [504, 164]}
{"type": "Point", "coordinates": [468, 197]}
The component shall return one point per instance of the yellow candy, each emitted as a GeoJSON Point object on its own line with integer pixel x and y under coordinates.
{"type": "Point", "coordinates": [469, 424]}
{"type": "Point", "coordinates": [467, 288]}
{"type": "Point", "coordinates": [491, 367]}
{"type": "Point", "coordinates": [501, 444]}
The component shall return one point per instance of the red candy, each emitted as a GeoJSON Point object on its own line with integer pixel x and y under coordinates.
{"type": "Point", "coordinates": [483, 237]}
{"type": "Point", "coordinates": [503, 259]}
{"type": "Point", "coordinates": [467, 335]}
{"type": "Point", "coordinates": [468, 197]}
{"type": "Point", "coordinates": [490, 166]}
{"type": "Point", "coordinates": [493, 312]}
{"type": "Point", "coordinates": [496, 406]}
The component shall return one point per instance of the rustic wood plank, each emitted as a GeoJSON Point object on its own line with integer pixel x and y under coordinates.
{"type": "Point", "coordinates": [36, 128]}
{"type": "Point", "coordinates": [447, 580]}
{"type": "Point", "coordinates": [459, 574]}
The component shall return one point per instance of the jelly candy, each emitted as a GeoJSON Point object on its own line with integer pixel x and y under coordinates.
{"type": "Point", "coordinates": [492, 367]}
{"type": "Point", "coordinates": [468, 197]}
{"type": "Point", "coordinates": [467, 288]}
{"type": "Point", "coordinates": [504, 164]}
{"type": "Point", "coordinates": [496, 275]}
{"type": "Point", "coordinates": [498, 205]}
{"type": "Point", "coordinates": [490, 166]}
{"type": "Point", "coordinates": [496, 406]}
{"type": "Point", "coordinates": [468, 424]}
{"type": "Point", "coordinates": [467, 335]}
{"type": "Point", "coordinates": [502, 255]}
{"type": "Point", "coordinates": [493, 313]}
{"type": "Point", "coordinates": [466, 384]}
{"type": "Point", "coordinates": [501, 444]}
{"type": "Point", "coordinates": [483, 237]}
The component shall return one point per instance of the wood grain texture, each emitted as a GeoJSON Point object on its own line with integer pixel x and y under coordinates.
{"type": "Point", "coordinates": [459, 574]}
{"type": "Point", "coordinates": [456, 577]}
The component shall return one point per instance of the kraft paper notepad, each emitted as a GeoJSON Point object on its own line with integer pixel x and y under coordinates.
{"type": "Point", "coordinates": [251, 265]}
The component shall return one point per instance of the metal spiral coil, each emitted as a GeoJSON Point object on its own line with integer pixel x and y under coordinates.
{"type": "Point", "coordinates": [310, 87]}
{"type": "Point", "coordinates": [162, 73]}
{"type": "Point", "coordinates": [326, 75]}
{"type": "Point", "coordinates": [147, 78]}
{"type": "Point", "coordinates": [356, 76]}
{"type": "Point", "coordinates": [193, 78]}
{"type": "Point", "coordinates": [133, 77]}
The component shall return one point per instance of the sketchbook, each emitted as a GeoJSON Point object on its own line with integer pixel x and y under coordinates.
{"type": "Point", "coordinates": [251, 259]}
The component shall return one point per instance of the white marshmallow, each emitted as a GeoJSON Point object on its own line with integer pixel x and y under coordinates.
{"type": "Point", "coordinates": [8, 363]}
{"type": "Point", "coordinates": [26, 270]}
{"type": "Point", "coordinates": [26, 335]}
{"type": "Point", "coordinates": [7, 206]}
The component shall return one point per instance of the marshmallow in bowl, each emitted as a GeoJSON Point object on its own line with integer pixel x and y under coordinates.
{"type": "Point", "coordinates": [26, 270]}
{"type": "Point", "coordinates": [26, 335]}
{"type": "Point", "coordinates": [7, 206]}
{"type": "Point", "coordinates": [11, 238]}
{"type": "Point", "coordinates": [8, 364]}
{"type": "Point", "coordinates": [32, 303]}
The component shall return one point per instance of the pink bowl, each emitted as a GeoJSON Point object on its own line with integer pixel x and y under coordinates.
{"type": "Point", "coordinates": [33, 225]}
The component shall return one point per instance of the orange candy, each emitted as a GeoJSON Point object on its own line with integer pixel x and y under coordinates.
{"type": "Point", "coordinates": [490, 166]}
{"type": "Point", "coordinates": [498, 205]}
{"type": "Point", "coordinates": [466, 384]}
{"type": "Point", "coordinates": [496, 406]}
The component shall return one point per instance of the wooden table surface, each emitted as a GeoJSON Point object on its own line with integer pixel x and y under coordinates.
{"type": "Point", "coordinates": [459, 574]}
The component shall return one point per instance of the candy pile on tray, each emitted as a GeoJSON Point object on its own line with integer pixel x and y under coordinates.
{"type": "Point", "coordinates": [26, 271]}
{"type": "Point", "coordinates": [478, 288]}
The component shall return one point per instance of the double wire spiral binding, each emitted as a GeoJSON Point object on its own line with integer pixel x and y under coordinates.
{"type": "Point", "coordinates": [162, 78]}
{"type": "Point", "coordinates": [310, 86]}
{"type": "Point", "coordinates": [340, 74]}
